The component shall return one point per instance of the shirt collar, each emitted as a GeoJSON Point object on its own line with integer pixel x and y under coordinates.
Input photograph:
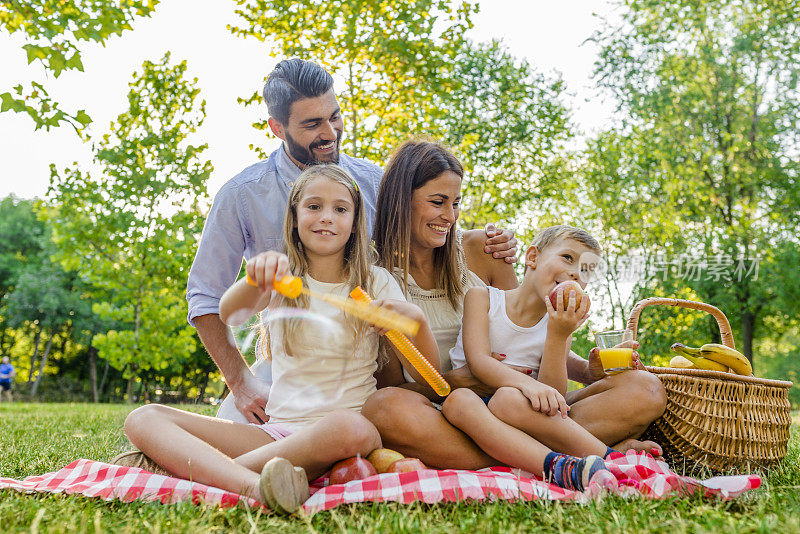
{"type": "Point", "coordinates": [286, 167]}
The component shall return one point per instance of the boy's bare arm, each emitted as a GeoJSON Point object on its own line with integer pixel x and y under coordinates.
{"type": "Point", "coordinates": [477, 346]}
{"type": "Point", "coordinates": [553, 367]}
{"type": "Point", "coordinates": [561, 324]}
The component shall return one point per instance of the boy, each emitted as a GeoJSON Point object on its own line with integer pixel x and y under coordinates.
{"type": "Point", "coordinates": [516, 425]}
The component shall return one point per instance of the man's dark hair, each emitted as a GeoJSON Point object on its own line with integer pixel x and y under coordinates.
{"type": "Point", "coordinates": [293, 80]}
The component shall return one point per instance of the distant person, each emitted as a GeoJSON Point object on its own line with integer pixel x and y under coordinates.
{"type": "Point", "coordinates": [247, 216]}
{"type": "Point", "coordinates": [7, 373]}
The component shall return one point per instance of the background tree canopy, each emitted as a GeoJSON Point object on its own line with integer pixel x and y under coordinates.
{"type": "Point", "coordinates": [693, 190]}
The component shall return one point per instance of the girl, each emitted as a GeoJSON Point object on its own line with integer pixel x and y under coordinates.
{"type": "Point", "coordinates": [321, 376]}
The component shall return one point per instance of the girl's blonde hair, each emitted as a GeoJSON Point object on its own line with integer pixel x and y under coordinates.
{"type": "Point", "coordinates": [415, 163]}
{"type": "Point", "coordinates": [358, 254]}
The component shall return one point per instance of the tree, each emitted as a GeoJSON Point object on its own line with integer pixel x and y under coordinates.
{"type": "Point", "coordinates": [406, 69]}
{"type": "Point", "coordinates": [45, 301]}
{"type": "Point", "coordinates": [509, 126]}
{"type": "Point", "coordinates": [53, 31]}
{"type": "Point", "coordinates": [389, 56]}
{"type": "Point", "coordinates": [704, 162]}
{"type": "Point", "coordinates": [131, 231]}
{"type": "Point", "coordinates": [21, 239]}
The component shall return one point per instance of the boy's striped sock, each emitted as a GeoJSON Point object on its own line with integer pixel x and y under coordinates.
{"type": "Point", "coordinates": [571, 473]}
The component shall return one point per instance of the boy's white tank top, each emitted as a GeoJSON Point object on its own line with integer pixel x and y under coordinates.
{"type": "Point", "coordinates": [523, 346]}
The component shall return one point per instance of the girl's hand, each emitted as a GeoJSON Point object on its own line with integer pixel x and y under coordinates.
{"type": "Point", "coordinates": [565, 322]}
{"type": "Point", "coordinates": [266, 267]}
{"type": "Point", "coordinates": [545, 399]}
{"type": "Point", "coordinates": [412, 311]}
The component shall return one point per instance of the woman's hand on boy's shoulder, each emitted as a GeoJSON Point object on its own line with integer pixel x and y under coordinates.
{"type": "Point", "coordinates": [564, 322]}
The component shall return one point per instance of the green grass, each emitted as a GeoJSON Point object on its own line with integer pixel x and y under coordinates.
{"type": "Point", "coordinates": [38, 438]}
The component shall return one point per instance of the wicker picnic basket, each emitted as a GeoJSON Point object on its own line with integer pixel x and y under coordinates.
{"type": "Point", "coordinates": [719, 420]}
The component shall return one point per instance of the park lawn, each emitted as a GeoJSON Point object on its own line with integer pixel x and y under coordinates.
{"type": "Point", "coordinates": [38, 438]}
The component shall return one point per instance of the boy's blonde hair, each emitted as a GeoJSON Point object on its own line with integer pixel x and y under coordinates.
{"type": "Point", "coordinates": [551, 234]}
{"type": "Point", "coordinates": [358, 254]}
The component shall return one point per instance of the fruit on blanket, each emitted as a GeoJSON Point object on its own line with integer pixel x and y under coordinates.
{"type": "Point", "coordinates": [407, 465]}
{"type": "Point", "coordinates": [727, 356]}
{"type": "Point", "coordinates": [567, 287]}
{"type": "Point", "coordinates": [693, 355]}
{"type": "Point", "coordinates": [679, 362]}
{"type": "Point", "coordinates": [382, 459]}
{"type": "Point", "coordinates": [354, 468]}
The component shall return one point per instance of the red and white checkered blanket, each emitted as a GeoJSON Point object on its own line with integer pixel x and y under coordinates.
{"type": "Point", "coordinates": [637, 474]}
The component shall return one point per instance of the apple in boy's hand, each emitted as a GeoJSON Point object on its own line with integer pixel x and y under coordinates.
{"type": "Point", "coordinates": [382, 459]}
{"type": "Point", "coordinates": [567, 287]}
{"type": "Point", "coordinates": [354, 468]}
{"type": "Point", "coordinates": [407, 465]}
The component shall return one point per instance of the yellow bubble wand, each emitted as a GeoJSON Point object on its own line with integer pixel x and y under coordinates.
{"type": "Point", "coordinates": [410, 352]}
{"type": "Point", "coordinates": [292, 287]}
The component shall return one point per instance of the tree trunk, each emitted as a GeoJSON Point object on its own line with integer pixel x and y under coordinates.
{"type": "Point", "coordinates": [93, 373]}
{"type": "Point", "coordinates": [129, 390]}
{"type": "Point", "coordinates": [203, 389]}
{"type": "Point", "coordinates": [142, 395]}
{"type": "Point", "coordinates": [103, 380]}
{"type": "Point", "coordinates": [35, 354]}
{"type": "Point", "coordinates": [43, 363]}
{"type": "Point", "coordinates": [748, 330]}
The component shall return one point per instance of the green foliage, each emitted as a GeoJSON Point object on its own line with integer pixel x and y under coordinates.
{"type": "Point", "coordinates": [508, 125]}
{"type": "Point", "coordinates": [21, 239]}
{"type": "Point", "coordinates": [131, 230]}
{"type": "Point", "coordinates": [406, 69]}
{"type": "Point", "coordinates": [54, 30]}
{"type": "Point", "coordinates": [391, 58]}
{"type": "Point", "coordinates": [704, 161]}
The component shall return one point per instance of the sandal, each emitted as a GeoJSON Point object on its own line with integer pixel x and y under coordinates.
{"type": "Point", "coordinates": [284, 487]}
{"type": "Point", "coordinates": [140, 460]}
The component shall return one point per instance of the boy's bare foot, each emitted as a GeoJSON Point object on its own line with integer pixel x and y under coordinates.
{"type": "Point", "coordinates": [647, 446]}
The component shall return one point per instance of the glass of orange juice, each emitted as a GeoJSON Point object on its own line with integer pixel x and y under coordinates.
{"type": "Point", "coordinates": [615, 354]}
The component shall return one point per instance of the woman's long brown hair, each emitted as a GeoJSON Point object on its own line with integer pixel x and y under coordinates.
{"type": "Point", "coordinates": [415, 163]}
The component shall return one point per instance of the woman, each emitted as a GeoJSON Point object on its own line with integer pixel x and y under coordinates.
{"type": "Point", "coordinates": [416, 239]}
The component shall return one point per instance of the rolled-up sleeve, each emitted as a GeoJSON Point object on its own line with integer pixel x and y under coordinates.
{"type": "Point", "coordinates": [219, 255]}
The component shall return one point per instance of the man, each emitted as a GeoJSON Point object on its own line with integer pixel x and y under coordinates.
{"type": "Point", "coordinates": [247, 218]}
{"type": "Point", "coordinates": [7, 372]}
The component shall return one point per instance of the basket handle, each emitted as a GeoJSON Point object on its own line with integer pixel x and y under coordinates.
{"type": "Point", "coordinates": [722, 321]}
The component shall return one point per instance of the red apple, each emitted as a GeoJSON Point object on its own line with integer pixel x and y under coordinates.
{"type": "Point", "coordinates": [354, 468]}
{"type": "Point", "coordinates": [567, 287]}
{"type": "Point", "coordinates": [406, 465]}
{"type": "Point", "coordinates": [382, 459]}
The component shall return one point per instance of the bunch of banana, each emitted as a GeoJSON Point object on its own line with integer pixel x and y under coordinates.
{"type": "Point", "coordinates": [715, 357]}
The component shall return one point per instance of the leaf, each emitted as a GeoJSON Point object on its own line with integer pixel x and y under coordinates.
{"type": "Point", "coordinates": [83, 118]}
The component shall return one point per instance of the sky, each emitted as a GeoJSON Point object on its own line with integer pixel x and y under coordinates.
{"type": "Point", "coordinates": [549, 35]}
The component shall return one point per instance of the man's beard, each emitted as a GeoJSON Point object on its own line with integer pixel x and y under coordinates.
{"type": "Point", "coordinates": [305, 156]}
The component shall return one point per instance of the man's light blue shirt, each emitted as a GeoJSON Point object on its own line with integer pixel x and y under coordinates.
{"type": "Point", "coordinates": [246, 219]}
